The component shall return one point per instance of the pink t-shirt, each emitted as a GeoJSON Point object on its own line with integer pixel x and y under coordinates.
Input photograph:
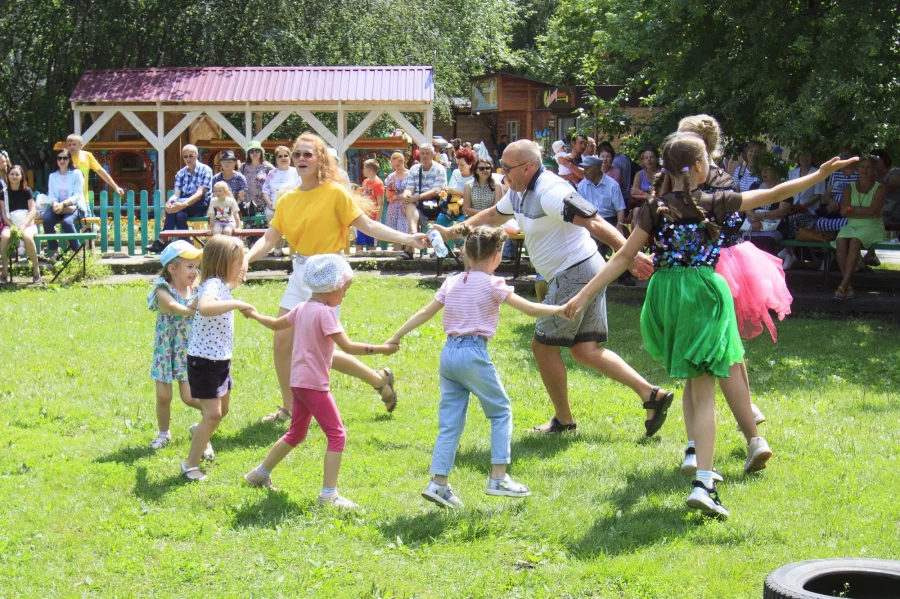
{"type": "Point", "coordinates": [313, 323]}
{"type": "Point", "coordinates": [472, 303]}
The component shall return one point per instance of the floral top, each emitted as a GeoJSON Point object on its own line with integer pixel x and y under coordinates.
{"type": "Point", "coordinates": [256, 176]}
{"type": "Point", "coordinates": [172, 334]}
{"type": "Point", "coordinates": [394, 186]}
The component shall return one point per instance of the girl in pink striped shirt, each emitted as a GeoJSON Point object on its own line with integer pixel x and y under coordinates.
{"type": "Point", "coordinates": [472, 310]}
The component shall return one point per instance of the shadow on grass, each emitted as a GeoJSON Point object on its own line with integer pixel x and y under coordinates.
{"type": "Point", "coordinates": [153, 491]}
{"type": "Point", "coordinates": [270, 511]}
{"type": "Point", "coordinates": [126, 455]}
{"type": "Point", "coordinates": [257, 434]}
{"type": "Point", "coordinates": [632, 528]}
{"type": "Point", "coordinates": [467, 524]}
{"type": "Point", "coordinates": [539, 446]}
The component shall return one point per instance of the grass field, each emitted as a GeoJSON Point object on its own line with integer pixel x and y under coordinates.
{"type": "Point", "coordinates": [90, 511]}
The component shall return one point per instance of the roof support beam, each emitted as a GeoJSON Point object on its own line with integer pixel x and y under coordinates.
{"type": "Point", "coordinates": [228, 127]}
{"type": "Point", "coordinates": [316, 124]}
{"type": "Point", "coordinates": [183, 124]}
{"type": "Point", "coordinates": [414, 133]}
{"type": "Point", "coordinates": [95, 127]}
{"type": "Point", "coordinates": [142, 129]}
{"type": "Point", "coordinates": [276, 121]}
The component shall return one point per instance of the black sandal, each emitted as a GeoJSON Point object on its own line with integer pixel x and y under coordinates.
{"type": "Point", "coordinates": [555, 428]}
{"type": "Point", "coordinates": [661, 408]}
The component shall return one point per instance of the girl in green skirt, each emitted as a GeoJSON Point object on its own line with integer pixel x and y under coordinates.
{"type": "Point", "coordinates": [688, 321]}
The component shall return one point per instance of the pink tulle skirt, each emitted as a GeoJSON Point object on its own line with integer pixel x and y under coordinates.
{"type": "Point", "coordinates": [756, 280]}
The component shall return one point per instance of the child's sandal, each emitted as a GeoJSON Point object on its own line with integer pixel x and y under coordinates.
{"type": "Point", "coordinates": [185, 472]}
{"type": "Point", "coordinates": [390, 402]}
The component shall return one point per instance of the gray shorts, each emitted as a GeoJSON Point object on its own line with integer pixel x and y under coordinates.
{"type": "Point", "coordinates": [591, 324]}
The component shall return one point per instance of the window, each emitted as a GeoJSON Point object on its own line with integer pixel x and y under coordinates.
{"type": "Point", "coordinates": [512, 130]}
{"type": "Point", "coordinates": [566, 127]}
{"type": "Point", "coordinates": [130, 163]}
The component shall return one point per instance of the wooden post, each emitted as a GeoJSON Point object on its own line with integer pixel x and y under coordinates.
{"type": "Point", "coordinates": [144, 241]}
{"type": "Point", "coordinates": [117, 223]}
{"type": "Point", "coordinates": [104, 221]}
{"type": "Point", "coordinates": [341, 136]}
{"type": "Point", "coordinates": [129, 205]}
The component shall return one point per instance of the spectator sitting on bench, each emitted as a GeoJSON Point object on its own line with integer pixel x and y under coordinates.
{"type": "Point", "coordinates": [423, 185]}
{"type": "Point", "coordinates": [861, 204]}
{"type": "Point", "coordinates": [830, 208]}
{"type": "Point", "coordinates": [765, 221]}
{"type": "Point", "coordinates": [17, 206]}
{"type": "Point", "coordinates": [604, 192]}
{"type": "Point", "coordinates": [193, 187]}
{"type": "Point", "coordinates": [65, 190]}
{"type": "Point", "coordinates": [235, 180]}
{"type": "Point", "coordinates": [224, 212]}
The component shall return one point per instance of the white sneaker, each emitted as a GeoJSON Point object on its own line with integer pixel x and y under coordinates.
{"type": "Point", "coordinates": [255, 479]}
{"type": "Point", "coordinates": [160, 442]}
{"type": "Point", "coordinates": [788, 262]}
{"type": "Point", "coordinates": [208, 454]}
{"type": "Point", "coordinates": [336, 501]}
{"type": "Point", "coordinates": [758, 416]}
{"type": "Point", "coordinates": [441, 495]}
{"type": "Point", "coordinates": [758, 453]}
{"type": "Point", "coordinates": [506, 487]}
{"type": "Point", "coordinates": [689, 466]}
{"type": "Point", "coordinates": [707, 501]}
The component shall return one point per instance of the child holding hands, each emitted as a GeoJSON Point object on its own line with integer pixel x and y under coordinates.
{"type": "Point", "coordinates": [472, 311]}
{"type": "Point", "coordinates": [210, 347]}
{"type": "Point", "coordinates": [172, 297]}
{"type": "Point", "coordinates": [316, 332]}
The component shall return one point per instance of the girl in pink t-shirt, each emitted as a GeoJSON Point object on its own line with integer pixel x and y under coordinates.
{"type": "Point", "coordinates": [316, 331]}
{"type": "Point", "coordinates": [472, 310]}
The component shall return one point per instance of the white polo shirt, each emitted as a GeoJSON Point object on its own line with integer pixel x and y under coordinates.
{"type": "Point", "coordinates": [553, 244]}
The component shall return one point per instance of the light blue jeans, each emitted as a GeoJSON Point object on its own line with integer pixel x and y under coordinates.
{"type": "Point", "coordinates": [466, 368]}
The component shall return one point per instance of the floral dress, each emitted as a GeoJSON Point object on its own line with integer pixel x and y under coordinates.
{"type": "Point", "coordinates": [395, 219]}
{"type": "Point", "coordinates": [173, 332]}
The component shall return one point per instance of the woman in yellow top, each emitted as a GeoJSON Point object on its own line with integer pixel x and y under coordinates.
{"type": "Point", "coordinates": [315, 218]}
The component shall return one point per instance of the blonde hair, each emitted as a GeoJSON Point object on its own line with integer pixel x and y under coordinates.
{"type": "Point", "coordinates": [220, 253]}
{"type": "Point", "coordinates": [164, 273]}
{"type": "Point", "coordinates": [708, 129]}
{"type": "Point", "coordinates": [399, 155]}
{"type": "Point", "coordinates": [372, 165]}
{"type": "Point", "coordinates": [224, 185]}
{"type": "Point", "coordinates": [284, 149]}
{"type": "Point", "coordinates": [328, 171]}
{"type": "Point", "coordinates": [481, 242]}
{"type": "Point", "coordinates": [74, 137]}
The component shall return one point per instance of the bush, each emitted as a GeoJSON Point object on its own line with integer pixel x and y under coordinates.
{"type": "Point", "coordinates": [94, 269]}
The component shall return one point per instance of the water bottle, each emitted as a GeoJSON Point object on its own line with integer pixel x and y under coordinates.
{"type": "Point", "coordinates": [437, 242]}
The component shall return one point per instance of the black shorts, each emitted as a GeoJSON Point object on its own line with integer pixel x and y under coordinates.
{"type": "Point", "coordinates": [208, 379]}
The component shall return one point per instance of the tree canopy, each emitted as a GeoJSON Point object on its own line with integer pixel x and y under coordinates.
{"type": "Point", "coordinates": [810, 73]}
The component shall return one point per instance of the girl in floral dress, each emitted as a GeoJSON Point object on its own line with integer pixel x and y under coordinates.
{"type": "Point", "coordinates": [173, 297]}
{"type": "Point", "coordinates": [394, 184]}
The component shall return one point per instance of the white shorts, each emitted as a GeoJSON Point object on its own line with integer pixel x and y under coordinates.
{"type": "Point", "coordinates": [297, 290]}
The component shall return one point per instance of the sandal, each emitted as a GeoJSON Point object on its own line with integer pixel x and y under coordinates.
{"type": "Point", "coordinates": [849, 293]}
{"type": "Point", "coordinates": [554, 427]}
{"type": "Point", "coordinates": [661, 407]}
{"type": "Point", "coordinates": [406, 255]}
{"type": "Point", "coordinates": [37, 280]}
{"type": "Point", "coordinates": [185, 472]}
{"type": "Point", "coordinates": [278, 415]}
{"type": "Point", "coordinates": [390, 402]}
{"type": "Point", "coordinates": [840, 294]}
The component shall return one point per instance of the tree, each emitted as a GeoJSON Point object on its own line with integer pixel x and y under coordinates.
{"type": "Point", "coordinates": [818, 74]}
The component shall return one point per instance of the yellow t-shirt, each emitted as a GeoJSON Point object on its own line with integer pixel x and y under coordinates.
{"type": "Point", "coordinates": [316, 221]}
{"type": "Point", "coordinates": [86, 163]}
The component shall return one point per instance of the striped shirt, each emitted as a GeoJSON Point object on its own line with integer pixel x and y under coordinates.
{"type": "Point", "coordinates": [838, 181]}
{"type": "Point", "coordinates": [744, 179]}
{"type": "Point", "coordinates": [472, 303]}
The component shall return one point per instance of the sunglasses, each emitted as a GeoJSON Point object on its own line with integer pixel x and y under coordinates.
{"type": "Point", "coordinates": [62, 158]}
{"type": "Point", "coordinates": [484, 168]}
{"type": "Point", "coordinates": [186, 156]}
{"type": "Point", "coordinates": [298, 154]}
{"type": "Point", "coordinates": [283, 156]}
{"type": "Point", "coordinates": [251, 151]}
{"type": "Point", "coordinates": [508, 168]}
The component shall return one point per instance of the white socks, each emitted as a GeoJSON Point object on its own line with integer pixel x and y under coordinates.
{"type": "Point", "coordinates": [705, 477]}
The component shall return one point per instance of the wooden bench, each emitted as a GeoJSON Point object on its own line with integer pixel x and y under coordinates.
{"type": "Point", "coordinates": [830, 251]}
{"type": "Point", "coordinates": [200, 235]}
{"type": "Point", "coordinates": [62, 237]}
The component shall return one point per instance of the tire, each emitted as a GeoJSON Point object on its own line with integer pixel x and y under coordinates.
{"type": "Point", "coordinates": [826, 578]}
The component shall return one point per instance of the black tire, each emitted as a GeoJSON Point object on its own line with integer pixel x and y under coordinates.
{"type": "Point", "coordinates": [826, 578]}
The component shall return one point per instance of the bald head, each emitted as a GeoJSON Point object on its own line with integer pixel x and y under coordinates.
{"type": "Point", "coordinates": [521, 151]}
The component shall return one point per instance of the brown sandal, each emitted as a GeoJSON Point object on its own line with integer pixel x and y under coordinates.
{"type": "Point", "coordinates": [390, 402]}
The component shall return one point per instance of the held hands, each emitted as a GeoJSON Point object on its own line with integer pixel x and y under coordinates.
{"type": "Point", "coordinates": [562, 311]}
{"type": "Point", "coordinates": [250, 313]}
{"type": "Point", "coordinates": [575, 306]}
{"type": "Point", "coordinates": [642, 266]}
{"type": "Point", "coordinates": [444, 231]}
{"type": "Point", "coordinates": [387, 349]}
{"type": "Point", "coordinates": [419, 240]}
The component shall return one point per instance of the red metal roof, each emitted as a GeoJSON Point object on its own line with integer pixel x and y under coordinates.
{"type": "Point", "coordinates": [257, 84]}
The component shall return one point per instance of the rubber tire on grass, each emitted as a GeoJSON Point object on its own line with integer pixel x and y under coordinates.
{"type": "Point", "coordinates": [870, 577]}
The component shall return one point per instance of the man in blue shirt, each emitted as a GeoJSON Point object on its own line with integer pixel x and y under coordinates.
{"type": "Point", "coordinates": [603, 192]}
{"type": "Point", "coordinates": [193, 190]}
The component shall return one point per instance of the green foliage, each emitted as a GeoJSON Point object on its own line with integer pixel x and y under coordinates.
{"type": "Point", "coordinates": [90, 511]}
{"type": "Point", "coordinates": [47, 44]}
{"type": "Point", "coordinates": [808, 74]}
{"type": "Point", "coordinates": [94, 269]}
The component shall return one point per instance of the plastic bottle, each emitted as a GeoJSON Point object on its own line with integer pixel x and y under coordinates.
{"type": "Point", "coordinates": [437, 242]}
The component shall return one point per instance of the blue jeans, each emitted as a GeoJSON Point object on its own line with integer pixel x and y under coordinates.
{"type": "Point", "coordinates": [66, 222]}
{"type": "Point", "coordinates": [466, 368]}
{"type": "Point", "coordinates": [179, 220]}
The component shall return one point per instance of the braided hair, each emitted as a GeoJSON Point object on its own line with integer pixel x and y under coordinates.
{"type": "Point", "coordinates": [680, 152]}
{"type": "Point", "coordinates": [481, 242]}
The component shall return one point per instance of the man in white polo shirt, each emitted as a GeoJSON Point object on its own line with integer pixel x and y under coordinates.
{"type": "Point", "coordinates": [558, 225]}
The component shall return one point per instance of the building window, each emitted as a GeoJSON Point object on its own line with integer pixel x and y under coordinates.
{"type": "Point", "coordinates": [130, 163]}
{"type": "Point", "coordinates": [512, 130]}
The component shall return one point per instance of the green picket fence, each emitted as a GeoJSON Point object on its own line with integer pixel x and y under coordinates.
{"type": "Point", "coordinates": [138, 212]}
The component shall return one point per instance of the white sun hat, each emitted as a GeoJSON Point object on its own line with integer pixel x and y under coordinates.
{"type": "Point", "coordinates": [327, 272]}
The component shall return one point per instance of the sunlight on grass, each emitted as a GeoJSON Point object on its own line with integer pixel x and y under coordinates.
{"type": "Point", "coordinates": [90, 510]}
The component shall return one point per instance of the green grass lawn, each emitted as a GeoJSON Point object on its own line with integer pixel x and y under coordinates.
{"type": "Point", "coordinates": [89, 510]}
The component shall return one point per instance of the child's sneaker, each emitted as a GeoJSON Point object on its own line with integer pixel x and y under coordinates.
{"type": "Point", "coordinates": [506, 487]}
{"type": "Point", "coordinates": [689, 465]}
{"type": "Point", "coordinates": [758, 453]}
{"type": "Point", "coordinates": [255, 479]}
{"type": "Point", "coordinates": [160, 441]}
{"type": "Point", "coordinates": [336, 501]}
{"type": "Point", "coordinates": [707, 501]}
{"type": "Point", "coordinates": [442, 495]}
{"type": "Point", "coordinates": [208, 454]}
{"type": "Point", "coordinates": [758, 416]}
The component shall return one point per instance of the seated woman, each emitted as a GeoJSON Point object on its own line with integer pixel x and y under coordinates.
{"type": "Point", "coordinates": [461, 177]}
{"type": "Point", "coordinates": [18, 212]}
{"type": "Point", "coordinates": [482, 192]}
{"type": "Point", "coordinates": [765, 222]}
{"type": "Point", "coordinates": [643, 180]}
{"type": "Point", "coordinates": [65, 189]}
{"type": "Point", "coordinates": [861, 204]}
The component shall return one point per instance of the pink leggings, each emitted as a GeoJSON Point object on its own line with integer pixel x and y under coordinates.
{"type": "Point", "coordinates": [320, 405]}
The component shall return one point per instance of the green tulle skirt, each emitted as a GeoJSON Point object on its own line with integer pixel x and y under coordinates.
{"type": "Point", "coordinates": [688, 323]}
